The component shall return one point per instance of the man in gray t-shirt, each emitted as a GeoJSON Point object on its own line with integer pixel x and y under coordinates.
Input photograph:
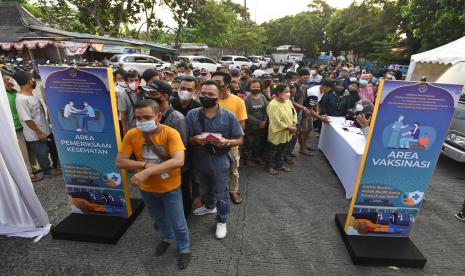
{"type": "Point", "coordinates": [36, 129]}
{"type": "Point", "coordinates": [127, 100]}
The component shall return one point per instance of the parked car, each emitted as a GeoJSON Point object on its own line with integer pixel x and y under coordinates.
{"type": "Point", "coordinates": [138, 62]}
{"type": "Point", "coordinates": [454, 146]}
{"type": "Point", "coordinates": [235, 61]}
{"type": "Point", "coordinates": [198, 62]}
{"type": "Point", "coordinates": [258, 61]}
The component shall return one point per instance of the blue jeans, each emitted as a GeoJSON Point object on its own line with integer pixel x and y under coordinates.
{"type": "Point", "coordinates": [167, 211]}
{"type": "Point", "coordinates": [216, 186]}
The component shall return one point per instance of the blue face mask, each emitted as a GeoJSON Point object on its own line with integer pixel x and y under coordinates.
{"type": "Point", "coordinates": [147, 126]}
{"type": "Point", "coordinates": [363, 82]}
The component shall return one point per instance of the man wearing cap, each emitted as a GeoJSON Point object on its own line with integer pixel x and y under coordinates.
{"type": "Point", "coordinates": [150, 75]}
{"type": "Point", "coordinates": [160, 91]}
{"type": "Point", "coordinates": [36, 129]}
{"type": "Point", "coordinates": [344, 75]}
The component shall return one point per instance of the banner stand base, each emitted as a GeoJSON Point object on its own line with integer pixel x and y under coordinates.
{"type": "Point", "coordinates": [96, 228]}
{"type": "Point", "coordinates": [380, 251]}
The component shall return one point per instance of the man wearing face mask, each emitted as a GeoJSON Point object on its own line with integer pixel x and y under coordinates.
{"type": "Point", "coordinates": [160, 92]}
{"type": "Point", "coordinates": [185, 101]}
{"type": "Point", "coordinates": [120, 83]}
{"type": "Point", "coordinates": [276, 75]}
{"type": "Point", "coordinates": [36, 129]}
{"type": "Point", "coordinates": [182, 69]}
{"type": "Point", "coordinates": [344, 75]}
{"type": "Point", "coordinates": [28, 158]}
{"type": "Point", "coordinates": [159, 153]}
{"type": "Point", "coordinates": [213, 131]}
{"type": "Point", "coordinates": [336, 103]}
{"type": "Point", "coordinates": [127, 100]}
{"type": "Point", "coordinates": [315, 78]}
{"type": "Point", "coordinates": [236, 105]}
{"type": "Point", "coordinates": [353, 93]}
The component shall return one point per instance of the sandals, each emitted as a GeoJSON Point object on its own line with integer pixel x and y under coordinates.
{"type": "Point", "coordinates": [283, 168]}
{"type": "Point", "coordinates": [35, 178]}
{"type": "Point", "coordinates": [235, 198]}
{"type": "Point", "coordinates": [272, 171]}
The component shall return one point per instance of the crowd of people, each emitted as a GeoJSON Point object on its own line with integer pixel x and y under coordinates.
{"type": "Point", "coordinates": [184, 134]}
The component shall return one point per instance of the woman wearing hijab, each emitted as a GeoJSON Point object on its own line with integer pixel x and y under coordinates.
{"type": "Point", "coordinates": [366, 90]}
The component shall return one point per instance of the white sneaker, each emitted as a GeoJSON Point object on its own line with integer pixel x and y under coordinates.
{"type": "Point", "coordinates": [221, 231]}
{"type": "Point", "coordinates": [203, 211]}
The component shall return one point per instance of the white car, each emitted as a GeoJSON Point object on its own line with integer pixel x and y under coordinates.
{"type": "Point", "coordinates": [235, 61]}
{"type": "Point", "coordinates": [199, 62]}
{"type": "Point", "coordinates": [138, 62]}
{"type": "Point", "coordinates": [258, 61]}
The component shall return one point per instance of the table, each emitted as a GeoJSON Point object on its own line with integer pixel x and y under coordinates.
{"type": "Point", "coordinates": [344, 150]}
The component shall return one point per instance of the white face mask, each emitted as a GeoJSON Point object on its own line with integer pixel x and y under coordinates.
{"type": "Point", "coordinates": [312, 72]}
{"type": "Point", "coordinates": [121, 83]}
{"type": "Point", "coordinates": [358, 107]}
{"type": "Point", "coordinates": [181, 74]}
{"type": "Point", "coordinates": [352, 79]}
{"type": "Point", "coordinates": [287, 96]}
{"type": "Point", "coordinates": [185, 95]}
{"type": "Point", "coordinates": [147, 126]}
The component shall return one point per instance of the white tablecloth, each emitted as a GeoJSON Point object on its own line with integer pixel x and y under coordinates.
{"type": "Point", "coordinates": [344, 150]}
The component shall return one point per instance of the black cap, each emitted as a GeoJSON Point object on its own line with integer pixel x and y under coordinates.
{"type": "Point", "coordinates": [22, 77]}
{"type": "Point", "coordinates": [149, 74]}
{"type": "Point", "coordinates": [162, 87]}
{"type": "Point", "coordinates": [266, 77]}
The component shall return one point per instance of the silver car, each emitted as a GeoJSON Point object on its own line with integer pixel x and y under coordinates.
{"type": "Point", "coordinates": [454, 146]}
{"type": "Point", "coordinates": [138, 62]}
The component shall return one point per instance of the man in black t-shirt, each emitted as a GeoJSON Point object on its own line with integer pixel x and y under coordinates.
{"type": "Point", "coordinates": [275, 75]}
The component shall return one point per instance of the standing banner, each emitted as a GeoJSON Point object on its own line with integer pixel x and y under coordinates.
{"type": "Point", "coordinates": [82, 108]}
{"type": "Point", "coordinates": [409, 125]}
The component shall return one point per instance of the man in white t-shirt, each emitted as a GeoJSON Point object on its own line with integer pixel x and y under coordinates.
{"type": "Point", "coordinates": [36, 129]}
{"type": "Point", "coordinates": [314, 95]}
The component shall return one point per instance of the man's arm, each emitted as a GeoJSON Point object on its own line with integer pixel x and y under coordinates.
{"type": "Point", "coordinates": [124, 161]}
{"type": "Point", "coordinates": [40, 134]}
{"type": "Point", "coordinates": [322, 118]}
{"type": "Point", "coordinates": [123, 122]}
{"type": "Point", "coordinates": [242, 123]}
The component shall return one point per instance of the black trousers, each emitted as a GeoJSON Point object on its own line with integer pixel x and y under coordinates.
{"type": "Point", "coordinates": [186, 193]}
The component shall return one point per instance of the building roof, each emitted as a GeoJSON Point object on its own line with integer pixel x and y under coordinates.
{"type": "Point", "coordinates": [17, 24]}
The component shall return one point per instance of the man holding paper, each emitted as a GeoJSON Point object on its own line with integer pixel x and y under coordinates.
{"type": "Point", "coordinates": [213, 131]}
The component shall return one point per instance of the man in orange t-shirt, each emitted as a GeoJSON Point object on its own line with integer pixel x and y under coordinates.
{"type": "Point", "coordinates": [159, 153]}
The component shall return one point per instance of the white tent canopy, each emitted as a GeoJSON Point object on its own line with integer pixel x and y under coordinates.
{"type": "Point", "coordinates": [21, 213]}
{"type": "Point", "coordinates": [435, 62]}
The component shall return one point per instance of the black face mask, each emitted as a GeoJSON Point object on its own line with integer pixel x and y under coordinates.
{"type": "Point", "coordinates": [203, 74]}
{"type": "Point", "coordinates": [235, 91]}
{"type": "Point", "coordinates": [175, 95]}
{"type": "Point", "coordinates": [255, 91]}
{"type": "Point", "coordinates": [208, 102]}
{"type": "Point", "coordinates": [276, 70]}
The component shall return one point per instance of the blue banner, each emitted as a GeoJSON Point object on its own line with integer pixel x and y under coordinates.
{"type": "Point", "coordinates": [408, 128]}
{"type": "Point", "coordinates": [82, 108]}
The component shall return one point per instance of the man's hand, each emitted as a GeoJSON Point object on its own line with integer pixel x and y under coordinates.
{"type": "Point", "coordinates": [325, 119]}
{"type": "Point", "coordinates": [221, 143]}
{"type": "Point", "coordinates": [292, 129]}
{"type": "Point", "coordinates": [42, 136]}
{"type": "Point", "coordinates": [363, 121]}
{"type": "Point", "coordinates": [139, 177]}
{"type": "Point", "coordinates": [199, 140]}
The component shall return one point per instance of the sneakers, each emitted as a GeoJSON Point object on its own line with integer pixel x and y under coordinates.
{"type": "Point", "coordinates": [161, 248]}
{"type": "Point", "coordinates": [203, 211]}
{"type": "Point", "coordinates": [460, 216]}
{"type": "Point", "coordinates": [183, 260]}
{"type": "Point", "coordinates": [221, 231]}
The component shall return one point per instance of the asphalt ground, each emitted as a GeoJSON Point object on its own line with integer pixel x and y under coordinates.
{"type": "Point", "coordinates": [284, 226]}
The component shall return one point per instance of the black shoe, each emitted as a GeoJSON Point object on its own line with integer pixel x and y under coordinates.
{"type": "Point", "coordinates": [161, 248]}
{"type": "Point", "coordinates": [184, 260]}
{"type": "Point", "coordinates": [460, 216]}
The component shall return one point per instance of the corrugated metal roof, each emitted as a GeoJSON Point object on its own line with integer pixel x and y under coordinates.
{"type": "Point", "coordinates": [17, 24]}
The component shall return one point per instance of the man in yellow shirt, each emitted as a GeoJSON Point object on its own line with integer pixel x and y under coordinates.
{"type": "Point", "coordinates": [235, 105]}
{"type": "Point", "coordinates": [159, 153]}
